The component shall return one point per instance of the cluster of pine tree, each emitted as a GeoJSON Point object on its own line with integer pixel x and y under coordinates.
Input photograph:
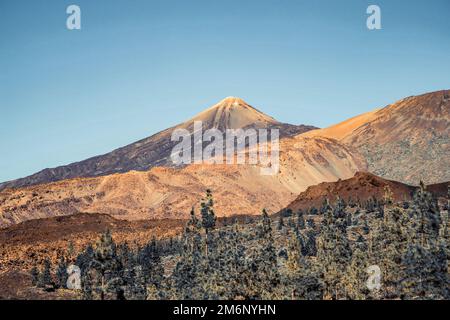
{"type": "Point", "coordinates": [109, 271]}
{"type": "Point", "coordinates": [317, 254]}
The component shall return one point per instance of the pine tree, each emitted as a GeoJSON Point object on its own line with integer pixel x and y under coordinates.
{"type": "Point", "coordinates": [129, 263]}
{"type": "Point", "coordinates": [45, 279]}
{"type": "Point", "coordinates": [289, 212]}
{"type": "Point", "coordinates": [265, 260]}
{"type": "Point", "coordinates": [339, 209]}
{"type": "Point", "coordinates": [291, 223]}
{"type": "Point", "coordinates": [294, 265]}
{"type": "Point", "coordinates": [280, 223]}
{"type": "Point", "coordinates": [84, 258]}
{"type": "Point", "coordinates": [426, 275]}
{"type": "Point", "coordinates": [128, 279]}
{"type": "Point", "coordinates": [225, 273]}
{"type": "Point", "coordinates": [388, 197]}
{"type": "Point", "coordinates": [150, 260]}
{"type": "Point", "coordinates": [215, 277]}
{"type": "Point", "coordinates": [334, 253]}
{"type": "Point", "coordinates": [304, 250]}
{"type": "Point", "coordinates": [444, 241]}
{"type": "Point", "coordinates": [311, 243]}
{"type": "Point", "coordinates": [300, 220]}
{"type": "Point", "coordinates": [425, 218]}
{"type": "Point", "coordinates": [302, 282]}
{"type": "Point", "coordinates": [294, 261]}
{"type": "Point", "coordinates": [102, 279]}
{"type": "Point", "coordinates": [351, 203]}
{"type": "Point", "coordinates": [208, 216]}
{"type": "Point", "coordinates": [139, 289]}
{"type": "Point", "coordinates": [448, 199]}
{"type": "Point", "coordinates": [186, 277]}
{"type": "Point", "coordinates": [61, 273]}
{"type": "Point", "coordinates": [310, 224]}
{"type": "Point", "coordinates": [356, 276]}
{"type": "Point", "coordinates": [387, 246]}
{"type": "Point", "coordinates": [34, 276]}
{"type": "Point", "coordinates": [171, 245]}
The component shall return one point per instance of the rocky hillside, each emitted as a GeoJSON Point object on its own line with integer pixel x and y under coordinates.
{"type": "Point", "coordinates": [49, 237]}
{"type": "Point", "coordinates": [362, 186]}
{"type": "Point", "coordinates": [170, 193]}
{"type": "Point", "coordinates": [407, 141]}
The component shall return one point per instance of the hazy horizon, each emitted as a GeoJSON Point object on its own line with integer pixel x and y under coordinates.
{"type": "Point", "coordinates": [137, 68]}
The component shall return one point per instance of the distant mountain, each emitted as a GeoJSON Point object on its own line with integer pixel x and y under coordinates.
{"type": "Point", "coordinates": [171, 192]}
{"type": "Point", "coordinates": [230, 113]}
{"type": "Point", "coordinates": [407, 141]}
{"type": "Point", "coordinates": [362, 186]}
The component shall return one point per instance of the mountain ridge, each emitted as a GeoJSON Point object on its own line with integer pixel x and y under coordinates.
{"type": "Point", "coordinates": [164, 192]}
{"type": "Point", "coordinates": [155, 150]}
{"type": "Point", "coordinates": [406, 141]}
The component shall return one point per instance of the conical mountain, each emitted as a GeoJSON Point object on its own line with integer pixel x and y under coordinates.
{"type": "Point", "coordinates": [234, 113]}
{"type": "Point", "coordinates": [230, 113]}
{"type": "Point", "coordinates": [164, 192]}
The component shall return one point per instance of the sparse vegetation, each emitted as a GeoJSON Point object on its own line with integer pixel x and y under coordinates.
{"type": "Point", "coordinates": [298, 260]}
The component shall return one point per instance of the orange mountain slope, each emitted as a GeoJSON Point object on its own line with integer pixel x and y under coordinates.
{"type": "Point", "coordinates": [170, 192]}
{"type": "Point", "coordinates": [362, 187]}
{"type": "Point", "coordinates": [407, 141]}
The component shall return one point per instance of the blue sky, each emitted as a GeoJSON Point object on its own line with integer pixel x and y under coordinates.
{"type": "Point", "coordinates": [137, 67]}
